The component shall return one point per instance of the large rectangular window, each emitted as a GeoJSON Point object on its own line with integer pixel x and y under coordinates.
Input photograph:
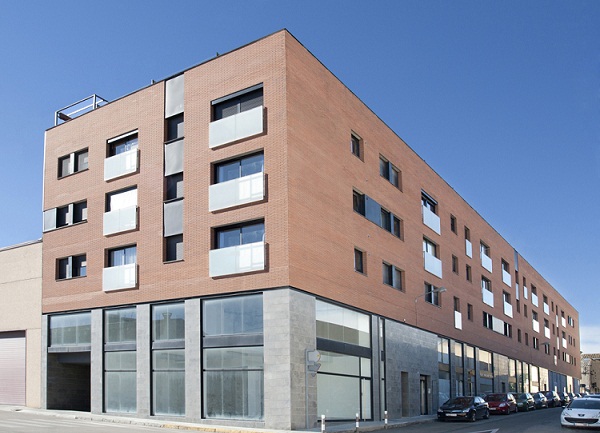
{"type": "Point", "coordinates": [71, 267]}
{"type": "Point", "coordinates": [70, 329]}
{"type": "Point", "coordinates": [73, 163]}
{"type": "Point", "coordinates": [120, 360]}
{"type": "Point", "coordinates": [241, 101]}
{"type": "Point", "coordinates": [233, 359]}
{"type": "Point", "coordinates": [122, 256]}
{"type": "Point", "coordinates": [122, 145]}
{"type": "Point", "coordinates": [168, 359]}
{"type": "Point", "coordinates": [239, 167]}
{"type": "Point", "coordinates": [247, 233]}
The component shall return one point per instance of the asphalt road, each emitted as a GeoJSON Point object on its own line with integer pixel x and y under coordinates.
{"type": "Point", "coordinates": [542, 420]}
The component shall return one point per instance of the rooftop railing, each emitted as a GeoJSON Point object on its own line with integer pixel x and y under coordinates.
{"type": "Point", "coordinates": [78, 108]}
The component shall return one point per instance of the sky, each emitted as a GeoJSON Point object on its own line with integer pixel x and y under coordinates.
{"type": "Point", "coordinates": [501, 98]}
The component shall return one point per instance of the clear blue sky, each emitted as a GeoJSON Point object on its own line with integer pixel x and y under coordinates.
{"type": "Point", "coordinates": [501, 98]}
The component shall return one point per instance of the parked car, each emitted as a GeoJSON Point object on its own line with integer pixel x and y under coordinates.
{"type": "Point", "coordinates": [553, 399]}
{"type": "Point", "coordinates": [501, 402]}
{"type": "Point", "coordinates": [564, 398]}
{"type": "Point", "coordinates": [581, 412]}
{"type": "Point", "coordinates": [540, 400]}
{"type": "Point", "coordinates": [573, 395]}
{"type": "Point", "coordinates": [464, 408]}
{"type": "Point", "coordinates": [525, 402]}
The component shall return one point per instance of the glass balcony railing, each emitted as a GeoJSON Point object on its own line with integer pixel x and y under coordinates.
{"type": "Point", "coordinates": [236, 260]}
{"type": "Point", "coordinates": [236, 192]}
{"type": "Point", "coordinates": [236, 127]}
{"type": "Point", "coordinates": [119, 277]}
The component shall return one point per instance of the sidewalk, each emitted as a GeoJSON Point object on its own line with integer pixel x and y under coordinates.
{"type": "Point", "coordinates": [333, 427]}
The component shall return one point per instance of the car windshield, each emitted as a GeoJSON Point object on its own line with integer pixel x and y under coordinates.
{"type": "Point", "coordinates": [462, 401]}
{"type": "Point", "coordinates": [522, 396]}
{"type": "Point", "coordinates": [584, 403]}
{"type": "Point", "coordinates": [495, 397]}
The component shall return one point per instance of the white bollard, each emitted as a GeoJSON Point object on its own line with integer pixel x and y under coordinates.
{"type": "Point", "coordinates": [385, 418]}
{"type": "Point", "coordinates": [322, 423]}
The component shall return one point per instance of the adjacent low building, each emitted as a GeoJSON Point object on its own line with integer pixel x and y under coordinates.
{"type": "Point", "coordinates": [20, 324]}
{"type": "Point", "coordinates": [246, 243]}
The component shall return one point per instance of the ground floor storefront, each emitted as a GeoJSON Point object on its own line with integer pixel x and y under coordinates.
{"type": "Point", "coordinates": [241, 360]}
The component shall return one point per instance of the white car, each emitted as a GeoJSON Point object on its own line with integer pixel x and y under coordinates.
{"type": "Point", "coordinates": [581, 412]}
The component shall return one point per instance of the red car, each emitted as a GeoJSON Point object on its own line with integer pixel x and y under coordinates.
{"type": "Point", "coordinates": [501, 402]}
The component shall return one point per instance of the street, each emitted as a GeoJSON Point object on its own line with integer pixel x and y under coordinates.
{"type": "Point", "coordinates": [543, 420]}
{"type": "Point", "coordinates": [25, 422]}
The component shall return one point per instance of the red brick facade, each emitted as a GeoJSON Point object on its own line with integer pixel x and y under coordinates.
{"type": "Point", "coordinates": [311, 229]}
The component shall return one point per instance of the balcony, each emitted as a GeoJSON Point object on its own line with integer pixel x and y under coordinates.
{"type": "Point", "coordinates": [498, 325]}
{"type": "Point", "coordinates": [546, 332]}
{"type": "Point", "coordinates": [534, 299]}
{"type": "Point", "coordinates": [236, 192]}
{"type": "Point", "coordinates": [488, 297]}
{"type": "Point", "coordinates": [486, 261]}
{"type": "Point", "coordinates": [121, 164]}
{"type": "Point", "coordinates": [536, 325]}
{"type": "Point", "coordinates": [236, 127]}
{"type": "Point", "coordinates": [236, 260]}
{"type": "Point", "coordinates": [525, 292]}
{"type": "Point", "coordinates": [431, 220]}
{"type": "Point", "coordinates": [433, 265]}
{"type": "Point", "coordinates": [563, 322]}
{"type": "Point", "coordinates": [506, 278]}
{"type": "Point", "coordinates": [120, 220]}
{"type": "Point", "coordinates": [508, 309]}
{"type": "Point", "coordinates": [468, 248]}
{"type": "Point", "coordinates": [546, 309]}
{"type": "Point", "coordinates": [564, 343]}
{"type": "Point", "coordinates": [119, 277]}
{"type": "Point", "coordinates": [458, 320]}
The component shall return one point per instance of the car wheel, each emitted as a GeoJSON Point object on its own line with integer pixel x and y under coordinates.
{"type": "Point", "coordinates": [472, 416]}
{"type": "Point", "coordinates": [486, 414]}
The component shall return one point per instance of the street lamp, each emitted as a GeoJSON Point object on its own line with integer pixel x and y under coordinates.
{"type": "Point", "coordinates": [430, 292]}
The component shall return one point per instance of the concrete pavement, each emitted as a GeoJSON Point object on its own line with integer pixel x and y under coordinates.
{"type": "Point", "coordinates": [333, 427]}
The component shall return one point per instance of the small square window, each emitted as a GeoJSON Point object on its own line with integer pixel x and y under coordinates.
{"type": "Point", "coordinates": [174, 248]}
{"type": "Point", "coordinates": [359, 262]}
{"type": "Point", "coordinates": [356, 145]}
{"type": "Point", "coordinates": [71, 267]}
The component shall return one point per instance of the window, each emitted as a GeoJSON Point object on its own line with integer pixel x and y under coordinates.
{"type": "Point", "coordinates": [240, 167]}
{"type": "Point", "coordinates": [389, 172]}
{"type": "Point", "coordinates": [507, 330]}
{"type": "Point", "coordinates": [468, 273]}
{"type": "Point", "coordinates": [174, 186]}
{"type": "Point", "coordinates": [428, 202]}
{"type": "Point", "coordinates": [453, 224]}
{"type": "Point", "coordinates": [486, 284]}
{"type": "Point", "coordinates": [432, 294]}
{"type": "Point", "coordinates": [67, 215]}
{"type": "Point", "coordinates": [358, 202]}
{"type": "Point", "coordinates": [233, 357]}
{"type": "Point", "coordinates": [456, 304]}
{"type": "Point", "coordinates": [392, 276]}
{"type": "Point", "coordinates": [519, 335]}
{"type": "Point", "coordinates": [70, 329]}
{"type": "Point", "coordinates": [238, 102]}
{"type": "Point", "coordinates": [429, 247]}
{"type": "Point", "coordinates": [73, 163]}
{"type": "Point", "coordinates": [386, 222]}
{"type": "Point", "coordinates": [120, 365]}
{"type": "Point", "coordinates": [71, 267]}
{"type": "Point", "coordinates": [240, 234]}
{"type": "Point", "coordinates": [121, 199]}
{"type": "Point", "coordinates": [455, 264]}
{"type": "Point", "coordinates": [518, 306]}
{"type": "Point", "coordinates": [525, 310]}
{"type": "Point", "coordinates": [467, 233]}
{"type": "Point", "coordinates": [506, 297]}
{"type": "Point", "coordinates": [485, 250]}
{"type": "Point", "coordinates": [174, 248]}
{"type": "Point", "coordinates": [359, 262]}
{"type": "Point", "coordinates": [488, 320]}
{"type": "Point", "coordinates": [526, 339]}
{"type": "Point", "coordinates": [534, 315]}
{"type": "Point", "coordinates": [356, 146]}
{"type": "Point", "coordinates": [174, 126]}
{"type": "Point", "coordinates": [470, 312]}
{"type": "Point", "coordinates": [122, 256]}
{"type": "Point", "coordinates": [123, 144]}
{"type": "Point", "coordinates": [536, 343]}
{"type": "Point", "coordinates": [168, 359]}
{"type": "Point", "coordinates": [505, 266]}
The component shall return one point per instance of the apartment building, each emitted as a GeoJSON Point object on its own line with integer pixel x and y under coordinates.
{"type": "Point", "coordinates": [214, 239]}
{"type": "Point", "coordinates": [20, 328]}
